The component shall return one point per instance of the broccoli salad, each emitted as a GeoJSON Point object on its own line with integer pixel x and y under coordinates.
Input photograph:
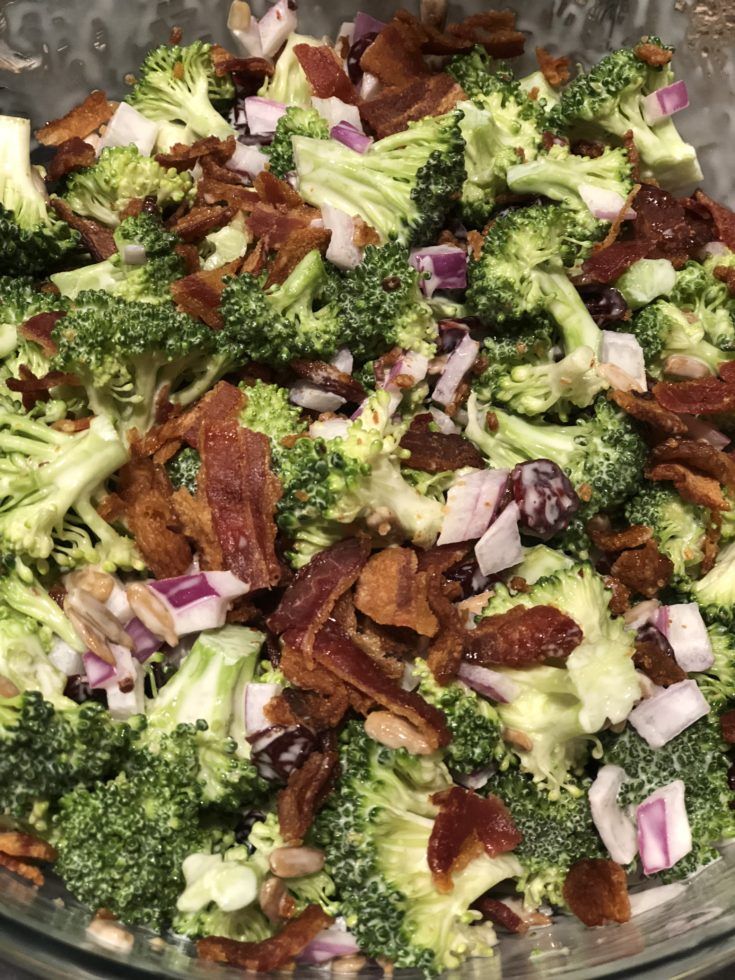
{"type": "Point", "coordinates": [367, 550]}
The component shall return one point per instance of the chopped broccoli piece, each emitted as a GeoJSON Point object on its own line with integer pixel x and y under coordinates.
{"type": "Point", "coordinates": [645, 281]}
{"type": "Point", "coordinates": [717, 683]}
{"type": "Point", "coordinates": [294, 122]}
{"type": "Point", "coordinates": [663, 331]}
{"type": "Point", "coordinates": [183, 469]}
{"type": "Point", "coordinates": [225, 245]}
{"type": "Point", "coordinates": [715, 592]}
{"type": "Point", "coordinates": [679, 528]}
{"type": "Point", "coordinates": [479, 74]}
{"type": "Point", "coordinates": [269, 411]}
{"type": "Point", "coordinates": [20, 300]}
{"type": "Point", "coordinates": [700, 293]}
{"type": "Point", "coordinates": [288, 83]}
{"type": "Point", "coordinates": [20, 590]}
{"type": "Point", "coordinates": [539, 562]}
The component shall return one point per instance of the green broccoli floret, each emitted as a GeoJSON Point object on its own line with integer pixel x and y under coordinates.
{"type": "Point", "coordinates": [183, 469]}
{"type": "Point", "coordinates": [715, 592]}
{"type": "Point", "coordinates": [539, 562]}
{"type": "Point", "coordinates": [521, 272]}
{"type": "Point", "coordinates": [609, 100]}
{"type": "Point", "coordinates": [269, 411]}
{"type": "Point", "coordinates": [403, 185]}
{"type": "Point", "coordinates": [381, 306]}
{"type": "Point", "coordinates": [557, 832]}
{"type": "Point", "coordinates": [31, 240]}
{"type": "Point", "coordinates": [645, 281]}
{"type": "Point", "coordinates": [375, 829]}
{"type": "Point", "coordinates": [717, 683]}
{"type": "Point", "coordinates": [24, 662]}
{"type": "Point", "coordinates": [478, 74]}
{"type": "Point", "coordinates": [697, 757]}
{"type": "Point", "coordinates": [20, 590]}
{"type": "Point", "coordinates": [530, 343]}
{"type": "Point", "coordinates": [664, 330]}
{"type": "Point", "coordinates": [125, 353]}
{"type": "Point", "coordinates": [179, 85]}
{"type": "Point", "coordinates": [679, 528]}
{"type": "Point", "coordinates": [288, 83]}
{"type": "Point", "coordinates": [700, 293]}
{"type": "Point", "coordinates": [474, 723]}
{"type": "Point", "coordinates": [296, 319]}
{"type": "Point", "coordinates": [294, 122]}
{"type": "Point", "coordinates": [601, 452]}
{"type": "Point", "coordinates": [122, 173]}
{"type": "Point", "coordinates": [225, 245]}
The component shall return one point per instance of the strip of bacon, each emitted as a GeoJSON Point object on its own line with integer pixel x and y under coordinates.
{"type": "Point", "coordinates": [494, 30]}
{"type": "Point", "coordinates": [692, 487]}
{"type": "Point", "coordinates": [80, 121]}
{"type": "Point", "coordinates": [555, 70]}
{"type": "Point", "coordinates": [310, 709]}
{"type": "Point", "coordinates": [393, 592]}
{"type": "Point", "coordinates": [645, 571]}
{"type": "Point", "coordinates": [202, 221]}
{"type": "Point", "coordinates": [72, 154]}
{"type": "Point", "coordinates": [305, 792]}
{"type": "Point", "coordinates": [183, 157]}
{"type": "Point", "coordinates": [436, 452]}
{"type": "Point", "coordinates": [395, 107]}
{"type": "Point", "coordinates": [21, 868]}
{"type": "Point", "coordinates": [325, 73]}
{"type": "Point", "coordinates": [35, 389]}
{"type": "Point", "coordinates": [226, 63]}
{"type": "Point", "coordinates": [211, 190]}
{"type": "Point", "coordinates": [649, 411]}
{"type": "Point", "coordinates": [296, 247]}
{"type": "Point", "coordinates": [522, 636]}
{"type": "Point", "coordinates": [272, 190]}
{"type": "Point", "coordinates": [395, 55]}
{"type": "Point", "coordinates": [697, 455]}
{"type": "Point", "coordinates": [96, 238]}
{"type": "Point", "coordinates": [330, 378]}
{"type": "Point", "coordinates": [199, 294]}
{"type": "Point", "coordinates": [39, 329]}
{"type": "Point", "coordinates": [705, 396]}
{"type": "Point", "coordinates": [275, 225]}
{"type": "Point", "coordinates": [608, 540]}
{"type": "Point", "coordinates": [445, 651]}
{"type": "Point", "coordinates": [19, 845]}
{"type": "Point", "coordinates": [596, 891]}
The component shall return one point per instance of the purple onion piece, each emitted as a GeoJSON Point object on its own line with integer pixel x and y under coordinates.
{"type": "Point", "coordinates": [145, 643]}
{"type": "Point", "coordinates": [279, 751]}
{"type": "Point", "coordinates": [546, 499]}
{"type": "Point", "coordinates": [605, 304]}
{"type": "Point", "coordinates": [184, 589]}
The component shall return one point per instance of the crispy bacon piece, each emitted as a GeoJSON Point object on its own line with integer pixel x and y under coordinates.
{"type": "Point", "coordinates": [195, 520]}
{"type": "Point", "coordinates": [183, 157]}
{"type": "Point", "coordinates": [630, 537]}
{"type": "Point", "coordinates": [16, 844]}
{"type": "Point", "coordinates": [330, 378]}
{"type": "Point", "coordinates": [444, 655]}
{"type": "Point", "coordinates": [434, 452]}
{"type": "Point", "coordinates": [226, 63]}
{"type": "Point", "coordinates": [324, 72]}
{"type": "Point", "coordinates": [146, 492]}
{"type": "Point", "coordinates": [35, 389]}
{"type": "Point", "coordinates": [393, 592]}
{"type": "Point", "coordinates": [212, 190]}
{"type": "Point", "coordinates": [705, 396]}
{"type": "Point", "coordinates": [395, 55]}
{"type": "Point", "coordinates": [202, 220]}
{"type": "Point", "coordinates": [522, 637]}
{"type": "Point", "coordinates": [274, 225]}
{"type": "Point", "coordinates": [80, 121]}
{"type": "Point", "coordinates": [692, 487]}
{"type": "Point", "coordinates": [596, 891]}
{"type": "Point", "coordinates": [242, 493]}
{"type": "Point", "coordinates": [727, 726]}
{"type": "Point", "coordinates": [340, 695]}
{"type": "Point", "coordinates": [617, 223]}
{"type": "Point", "coordinates": [466, 826]}
{"type": "Point", "coordinates": [500, 914]}
{"type": "Point", "coordinates": [334, 650]}
{"type": "Point", "coordinates": [310, 709]}
{"type": "Point", "coordinates": [555, 70]}
{"type": "Point", "coordinates": [39, 329]}
{"type": "Point", "coordinates": [268, 954]}
{"type": "Point", "coordinates": [72, 425]}
{"type": "Point", "coordinates": [697, 455]}
{"type": "Point", "coordinates": [649, 411]}
{"type": "Point", "coordinates": [608, 264]}
{"type": "Point", "coordinates": [645, 571]}
{"type": "Point", "coordinates": [441, 558]}
{"type": "Point", "coordinates": [189, 256]}
{"type": "Point", "coordinates": [652, 54]}
{"type": "Point", "coordinates": [210, 168]}
{"type": "Point", "coordinates": [305, 792]}
{"type": "Point", "coordinates": [272, 190]}
{"type": "Point", "coordinates": [97, 239]}
{"type": "Point", "coordinates": [620, 596]}
{"type": "Point", "coordinates": [199, 294]}
{"type": "Point", "coordinates": [395, 107]}
{"type": "Point", "coordinates": [655, 657]}
{"type": "Point", "coordinates": [72, 154]}
{"type": "Point", "coordinates": [21, 868]}
{"type": "Point", "coordinates": [494, 30]}
{"type": "Point", "coordinates": [310, 598]}
{"type": "Point", "coordinates": [296, 247]}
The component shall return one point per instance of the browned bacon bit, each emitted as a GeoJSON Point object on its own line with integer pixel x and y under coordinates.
{"type": "Point", "coordinates": [434, 452]}
{"type": "Point", "coordinates": [183, 157]}
{"type": "Point", "coordinates": [72, 154]}
{"type": "Point", "coordinates": [268, 954]}
{"type": "Point", "coordinates": [588, 148]}
{"type": "Point", "coordinates": [80, 121]}
{"type": "Point", "coordinates": [146, 493]}
{"type": "Point", "coordinates": [316, 679]}
{"type": "Point", "coordinates": [226, 63]}
{"type": "Point", "coordinates": [201, 221]}
{"type": "Point", "coordinates": [334, 650]}
{"type": "Point", "coordinates": [274, 224]}
{"type": "Point", "coordinates": [277, 192]}
{"type": "Point", "coordinates": [466, 826]}
{"type": "Point", "coordinates": [596, 891]}
{"type": "Point", "coordinates": [444, 655]}
{"type": "Point", "coordinates": [330, 378]}
{"type": "Point", "coordinates": [655, 657]}
{"type": "Point", "coordinates": [210, 168]}
{"type": "Point", "coordinates": [706, 396]}
{"type": "Point", "coordinates": [72, 425]}
{"type": "Point", "coordinates": [692, 487]}
{"type": "Point", "coordinates": [555, 70]}
{"type": "Point", "coordinates": [722, 216]}
{"type": "Point", "coordinates": [310, 709]}
{"type": "Point", "coordinates": [395, 107]}
{"type": "Point", "coordinates": [296, 247]}
{"type": "Point", "coordinates": [649, 411]}
{"type": "Point", "coordinates": [19, 845]}
{"type": "Point", "coordinates": [199, 294]}
{"type": "Point", "coordinates": [727, 275]}
{"type": "Point", "coordinates": [195, 519]}
{"type": "Point", "coordinates": [652, 54]}
{"type": "Point", "coordinates": [630, 537]}
{"type": "Point", "coordinates": [645, 571]}
{"type": "Point", "coordinates": [39, 329]}
{"type": "Point", "coordinates": [309, 600]}
{"type": "Point", "coordinates": [501, 914]}
{"type": "Point", "coordinates": [698, 455]}
{"type": "Point", "coordinates": [727, 726]}
{"type": "Point", "coordinates": [617, 223]}
{"type": "Point", "coordinates": [233, 194]}
{"type": "Point", "coordinates": [608, 264]}
{"type": "Point", "coordinates": [35, 389]}
{"type": "Point", "coordinates": [175, 36]}
{"type": "Point", "coordinates": [324, 72]}
{"type": "Point", "coordinates": [242, 493]}
{"type": "Point", "coordinates": [305, 792]}
{"type": "Point", "coordinates": [96, 238]}
{"type": "Point", "coordinates": [254, 264]}
{"type": "Point", "coordinates": [189, 255]}
{"type": "Point", "coordinates": [494, 30]}
{"type": "Point", "coordinates": [522, 637]}
{"type": "Point", "coordinates": [395, 55]}
{"type": "Point", "coordinates": [393, 592]}
{"type": "Point", "coordinates": [441, 558]}
{"type": "Point", "coordinates": [21, 868]}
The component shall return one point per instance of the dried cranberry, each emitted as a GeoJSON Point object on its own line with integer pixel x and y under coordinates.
{"type": "Point", "coordinates": [545, 497]}
{"type": "Point", "coordinates": [467, 573]}
{"type": "Point", "coordinates": [358, 49]}
{"type": "Point", "coordinates": [77, 689]}
{"type": "Point", "coordinates": [604, 303]}
{"type": "Point", "coordinates": [278, 751]}
{"type": "Point", "coordinates": [654, 656]}
{"type": "Point", "coordinates": [451, 334]}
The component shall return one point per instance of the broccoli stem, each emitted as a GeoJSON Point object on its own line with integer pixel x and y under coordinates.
{"type": "Point", "coordinates": [565, 305]}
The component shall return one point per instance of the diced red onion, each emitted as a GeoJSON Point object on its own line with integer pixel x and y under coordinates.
{"type": "Point", "coordinates": [275, 26]}
{"type": "Point", "coordinates": [478, 779]}
{"type": "Point", "coordinates": [409, 681]}
{"type": "Point", "coordinates": [335, 111]}
{"type": "Point", "coordinates": [352, 138]}
{"type": "Point", "coordinates": [699, 429]}
{"type": "Point", "coordinates": [328, 944]}
{"type": "Point", "coordinates": [500, 546]}
{"type": "Point", "coordinates": [651, 898]}
{"type": "Point", "coordinates": [624, 352]}
{"type": "Point", "coordinates": [664, 835]}
{"type": "Point", "coordinates": [443, 422]}
{"type": "Point", "coordinates": [248, 160]}
{"type": "Point", "coordinates": [245, 30]}
{"type": "Point", "coordinates": [65, 658]}
{"type": "Point", "coordinates": [257, 697]}
{"type": "Point", "coordinates": [263, 115]}
{"type": "Point", "coordinates": [127, 126]}
{"type": "Point", "coordinates": [307, 395]}
{"type": "Point", "coordinates": [369, 86]}
{"type": "Point", "coordinates": [490, 683]}
{"type": "Point", "coordinates": [662, 717]}
{"type": "Point", "coordinates": [145, 643]}
{"type": "Point", "coordinates": [714, 248]}
{"type": "Point", "coordinates": [341, 250]}
{"type": "Point", "coordinates": [200, 601]}
{"type": "Point", "coordinates": [99, 672]}
{"type": "Point", "coordinates": [133, 255]}
{"type": "Point", "coordinates": [335, 428]}
{"type": "Point", "coordinates": [446, 266]}
{"type": "Point", "coordinates": [604, 204]}
{"type": "Point", "coordinates": [366, 24]}
{"type": "Point", "coordinates": [685, 630]}
{"type": "Point", "coordinates": [343, 360]}
{"type": "Point", "coordinates": [614, 826]}
{"type": "Point", "coordinates": [409, 365]}
{"type": "Point", "coordinates": [458, 364]}
{"type": "Point", "coordinates": [472, 504]}
{"type": "Point", "coordinates": [665, 102]}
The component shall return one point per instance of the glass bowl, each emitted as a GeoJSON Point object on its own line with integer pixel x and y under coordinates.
{"type": "Point", "coordinates": [52, 54]}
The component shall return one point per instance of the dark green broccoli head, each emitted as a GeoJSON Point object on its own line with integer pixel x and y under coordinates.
{"type": "Point", "coordinates": [679, 527]}
{"type": "Point", "coordinates": [479, 74]}
{"type": "Point", "coordinates": [700, 293]}
{"type": "Point", "coordinates": [294, 122]}
{"type": "Point", "coordinates": [269, 411]}
{"type": "Point", "coordinates": [149, 231]}
{"type": "Point", "coordinates": [183, 469]}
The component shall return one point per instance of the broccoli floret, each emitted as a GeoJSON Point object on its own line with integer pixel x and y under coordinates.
{"type": "Point", "coordinates": [183, 469]}
{"type": "Point", "coordinates": [715, 592]}
{"type": "Point", "coordinates": [296, 319]}
{"type": "Point", "coordinates": [269, 411]}
{"type": "Point", "coordinates": [20, 299]}
{"type": "Point", "coordinates": [179, 85]}
{"type": "Point", "coordinates": [601, 453]}
{"type": "Point", "coordinates": [645, 281]}
{"type": "Point", "coordinates": [561, 709]}
{"type": "Point", "coordinates": [403, 185]}
{"type": "Point", "coordinates": [122, 173]}
{"type": "Point", "coordinates": [31, 240]}
{"type": "Point", "coordinates": [521, 272]}
{"type": "Point", "coordinates": [474, 723]}
{"type": "Point", "coordinates": [700, 293]}
{"type": "Point", "coordinates": [381, 306]}
{"type": "Point", "coordinates": [23, 658]}
{"type": "Point", "coordinates": [539, 562]}
{"type": "Point", "coordinates": [609, 100]}
{"type": "Point", "coordinates": [663, 331]}
{"type": "Point", "coordinates": [294, 122]}
{"type": "Point", "coordinates": [125, 353]}
{"type": "Point", "coordinates": [697, 757]}
{"type": "Point", "coordinates": [225, 245]}
{"type": "Point", "coordinates": [546, 96]}
{"type": "Point", "coordinates": [530, 343]}
{"type": "Point", "coordinates": [20, 590]}
{"type": "Point", "coordinates": [375, 829]}
{"type": "Point", "coordinates": [557, 832]}
{"type": "Point", "coordinates": [679, 528]}
{"type": "Point", "coordinates": [288, 83]}
{"type": "Point", "coordinates": [478, 74]}
{"type": "Point", "coordinates": [717, 683]}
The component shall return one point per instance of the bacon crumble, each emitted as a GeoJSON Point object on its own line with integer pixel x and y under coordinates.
{"type": "Point", "coordinates": [79, 122]}
{"type": "Point", "coordinates": [596, 891]}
